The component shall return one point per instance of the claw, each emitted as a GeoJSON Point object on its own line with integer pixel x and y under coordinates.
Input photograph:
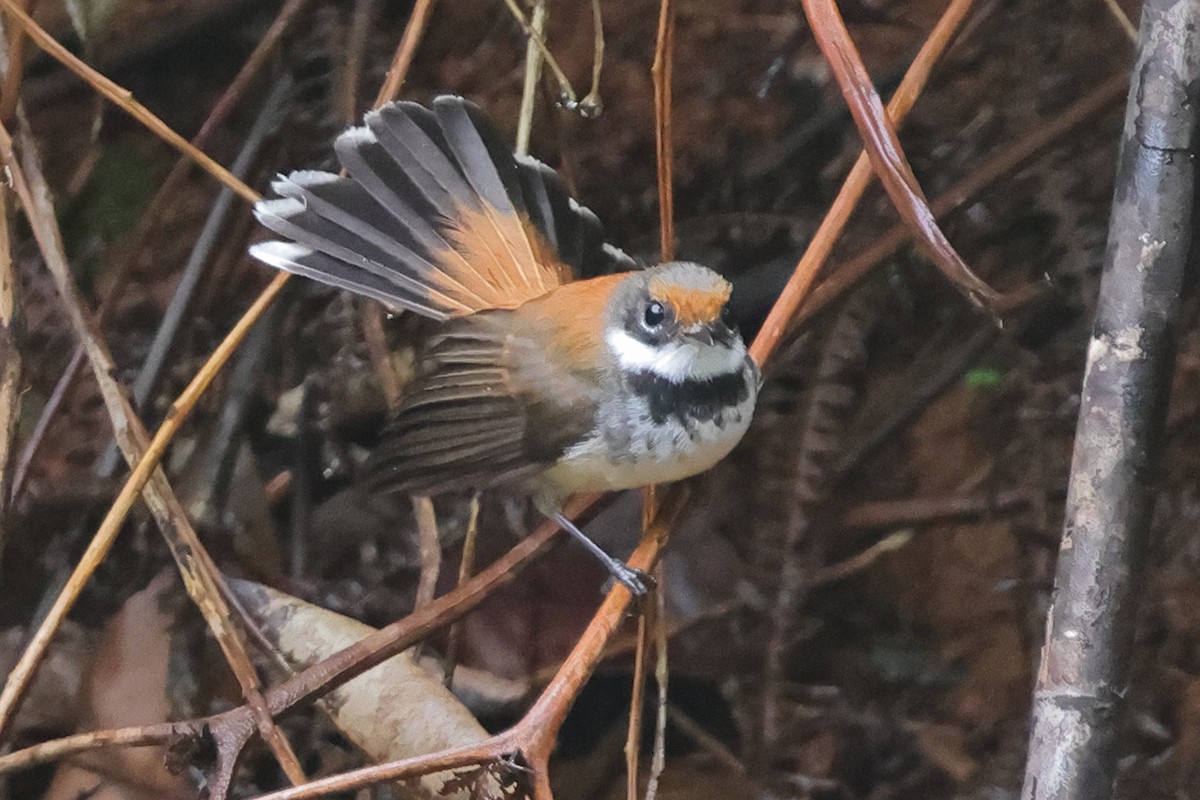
{"type": "Point", "coordinates": [637, 582]}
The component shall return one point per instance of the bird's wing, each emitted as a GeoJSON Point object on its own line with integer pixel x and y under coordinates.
{"type": "Point", "coordinates": [490, 409]}
{"type": "Point", "coordinates": [436, 216]}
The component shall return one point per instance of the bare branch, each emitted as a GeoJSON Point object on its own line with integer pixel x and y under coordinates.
{"type": "Point", "coordinates": [1122, 410]}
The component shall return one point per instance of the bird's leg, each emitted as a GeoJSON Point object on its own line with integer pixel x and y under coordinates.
{"type": "Point", "coordinates": [636, 581]}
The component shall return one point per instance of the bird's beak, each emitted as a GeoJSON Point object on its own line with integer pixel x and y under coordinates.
{"type": "Point", "coordinates": [702, 334]}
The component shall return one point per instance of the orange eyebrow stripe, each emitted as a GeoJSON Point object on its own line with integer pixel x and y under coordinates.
{"type": "Point", "coordinates": [692, 306]}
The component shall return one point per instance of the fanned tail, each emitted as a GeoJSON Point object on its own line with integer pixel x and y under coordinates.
{"type": "Point", "coordinates": [436, 216]}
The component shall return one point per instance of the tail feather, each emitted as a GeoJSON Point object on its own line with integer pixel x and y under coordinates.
{"type": "Point", "coordinates": [436, 216]}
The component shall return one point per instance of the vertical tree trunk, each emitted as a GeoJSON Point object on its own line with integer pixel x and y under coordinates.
{"type": "Point", "coordinates": [1089, 629]}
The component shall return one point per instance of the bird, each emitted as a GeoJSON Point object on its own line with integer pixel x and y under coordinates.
{"type": "Point", "coordinates": [559, 364]}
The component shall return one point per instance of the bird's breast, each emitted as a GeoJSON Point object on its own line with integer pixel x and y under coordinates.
{"type": "Point", "coordinates": [651, 430]}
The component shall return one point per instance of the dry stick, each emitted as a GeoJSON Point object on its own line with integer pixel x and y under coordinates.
{"type": "Point", "coordinates": [913, 511]}
{"type": "Point", "coordinates": [591, 104]}
{"type": "Point", "coordinates": [1122, 412]}
{"type": "Point", "coordinates": [418, 21]}
{"type": "Point", "coordinates": [14, 54]}
{"type": "Point", "coordinates": [664, 146]}
{"type": "Point", "coordinates": [960, 194]}
{"type": "Point", "coordinates": [569, 100]}
{"type": "Point", "coordinates": [123, 98]}
{"type": "Point", "coordinates": [855, 184]}
{"type": "Point", "coordinates": [466, 568]}
{"type": "Point", "coordinates": [156, 207]}
{"type": "Point", "coordinates": [10, 366]}
{"type": "Point", "coordinates": [658, 762]}
{"type": "Point", "coordinates": [59, 393]}
{"type": "Point", "coordinates": [533, 71]}
{"type": "Point", "coordinates": [887, 156]}
{"type": "Point", "coordinates": [164, 733]}
{"type": "Point", "coordinates": [197, 570]}
{"type": "Point", "coordinates": [637, 699]}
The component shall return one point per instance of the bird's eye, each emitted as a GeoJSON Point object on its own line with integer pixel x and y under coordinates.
{"type": "Point", "coordinates": [727, 315]}
{"type": "Point", "coordinates": [655, 314]}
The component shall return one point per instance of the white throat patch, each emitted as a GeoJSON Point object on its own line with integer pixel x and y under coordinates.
{"type": "Point", "coordinates": [675, 361]}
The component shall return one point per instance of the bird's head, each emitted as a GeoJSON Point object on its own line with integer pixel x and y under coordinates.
{"type": "Point", "coordinates": [673, 321]}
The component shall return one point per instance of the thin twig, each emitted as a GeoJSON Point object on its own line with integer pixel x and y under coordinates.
{"type": "Point", "coordinates": [351, 67]}
{"type": "Point", "coordinates": [887, 155]}
{"type": "Point", "coordinates": [418, 21]}
{"type": "Point", "coordinates": [430, 549]}
{"type": "Point", "coordinates": [961, 194]}
{"type": "Point", "coordinates": [569, 100]}
{"type": "Point", "coordinates": [53, 403]}
{"type": "Point", "coordinates": [10, 366]}
{"type": "Point", "coordinates": [658, 762]}
{"type": "Point", "coordinates": [14, 55]}
{"type": "Point", "coordinates": [199, 573]}
{"type": "Point", "coordinates": [682, 722]}
{"type": "Point", "coordinates": [661, 72]}
{"type": "Point", "coordinates": [914, 511]}
{"type": "Point", "coordinates": [533, 71]}
{"type": "Point", "coordinates": [138, 736]}
{"type": "Point", "coordinates": [832, 573]}
{"type": "Point", "coordinates": [591, 104]}
{"type": "Point", "coordinates": [466, 568]}
{"type": "Point", "coordinates": [637, 701]}
{"type": "Point", "coordinates": [123, 99]}
{"type": "Point", "coordinates": [834, 222]}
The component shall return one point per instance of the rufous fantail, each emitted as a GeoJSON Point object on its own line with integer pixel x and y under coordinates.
{"type": "Point", "coordinates": [540, 375]}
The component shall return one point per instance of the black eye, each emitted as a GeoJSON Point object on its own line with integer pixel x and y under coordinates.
{"type": "Point", "coordinates": [727, 315]}
{"type": "Point", "coordinates": [655, 314]}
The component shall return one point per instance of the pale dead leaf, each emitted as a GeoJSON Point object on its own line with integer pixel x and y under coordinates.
{"type": "Point", "coordinates": [396, 710]}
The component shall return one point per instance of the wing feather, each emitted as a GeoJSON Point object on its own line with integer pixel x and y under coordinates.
{"type": "Point", "coordinates": [469, 420]}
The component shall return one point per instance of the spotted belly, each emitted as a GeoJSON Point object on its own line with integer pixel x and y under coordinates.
{"type": "Point", "coordinates": [657, 431]}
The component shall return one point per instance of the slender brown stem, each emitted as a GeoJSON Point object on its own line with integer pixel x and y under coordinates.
{"type": "Point", "coordinates": [662, 71]}
{"type": "Point", "coordinates": [402, 60]}
{"type": "Point", "coordinates": [887, 155]}
{"type": "Point", "coordinates": [983, 177]}
{"type": "Point", "coordinates": [658, 762]}
{"type": "Point", "coordinates": [834, 222]}
{"type": "Point", "coordinates": [637, 700]}
{"type": "Point", "coordinates": [10, 366]}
